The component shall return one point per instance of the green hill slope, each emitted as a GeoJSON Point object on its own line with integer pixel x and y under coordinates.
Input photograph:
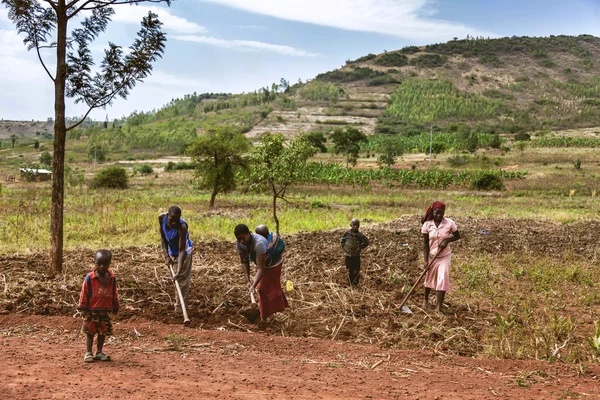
{"type": "Point", "coordinates": [505, 85]}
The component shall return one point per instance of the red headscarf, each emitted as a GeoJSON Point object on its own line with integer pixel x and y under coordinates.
{"type": "Point", "coordinates": [428, 216]}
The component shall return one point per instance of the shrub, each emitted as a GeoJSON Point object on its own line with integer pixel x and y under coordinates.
{"type": "Point", "coordinates": [429, 60]}
{"type": "Point", "coordinates": [144, 169]}
{"type": "Point", "coordinates": [410, 50]}
{"type": "Point", "coordinates": [522, 137]}
{"type": "Point", "coordinates": [496, 142]}
{"type": "Point", "coordinates": [392, 60]}
{"type": "Point", "coordinates": [46, 158]}
{"type": "Point", "coordinates": [382, 80]}
{"type": "Point", "coordinates": [113, 177]}
{"type": "Point", "coordinates": [577, 164]}
{"type": "Point", "coordinates": [171, 166]}
{"type": "Point", "coordinates": [458, 160]}
{"type": "Point", "coordinates": [366, 58]}
{"type": "Point", "coordinates": [547, 63]}
{"type": "Point", "coordinates": [487, 180]}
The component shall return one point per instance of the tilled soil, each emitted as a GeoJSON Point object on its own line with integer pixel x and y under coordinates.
{"type": "Point", "coordinates": [322, 304]}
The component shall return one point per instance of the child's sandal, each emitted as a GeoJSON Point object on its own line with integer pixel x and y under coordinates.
{"type": "Point", "coordinates": [102, 357]}
{"type": "Point", "coordinates": [89, 357]}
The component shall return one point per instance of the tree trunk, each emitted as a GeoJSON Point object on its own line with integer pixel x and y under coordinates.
{"type": "Point", "coordinates": [60, 134]}
{"type": "Point", "coordinates": [275, 211]}
{"type": "Point", "coordinates": [212, 198]}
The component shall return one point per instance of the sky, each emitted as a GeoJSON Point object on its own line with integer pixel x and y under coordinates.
{"type": "Point", "coordinates": [236, 46]}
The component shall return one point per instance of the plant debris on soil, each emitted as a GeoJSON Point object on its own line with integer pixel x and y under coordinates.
{"type": "Point", "coordinates": [322, 305]}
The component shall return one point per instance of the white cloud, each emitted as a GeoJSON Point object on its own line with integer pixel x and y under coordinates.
{"type": "Point", "coordinates": [16, 63]}
{"type": "Point", "coordinates": [402, 18]}
{"type": "Point", "coordinates": [173, 23]}
{"type": "Point", "coordinates": [248, 45]}
{"type": "Point", "coordinates": [252, 27]}
{"type": "Point", "coordinates": [164, 79]}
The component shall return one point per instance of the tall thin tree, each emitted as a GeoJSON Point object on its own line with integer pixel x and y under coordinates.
{"type": "Point", "coordinates": [44, 24]}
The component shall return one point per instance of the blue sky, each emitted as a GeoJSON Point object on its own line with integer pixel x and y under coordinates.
{"type": "Point", "coordinates": [241, 45]}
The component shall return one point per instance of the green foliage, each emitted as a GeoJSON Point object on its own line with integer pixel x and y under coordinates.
{"type": "Point", "coordinates": [355, 74]}
{"type": "Point", "coordinates": [458, 160]}
{"type": "Point", "coordinates": [113, 177]}
{"type": "Point", "coordinates": [366, 58]}
{"type": "Point", "coordinates": [429, 60]}
{"type": "Point", "coordinates": [97, 152]}
{"type": "Point", "coordinates": [219, 155]}
{"type": "Point", "coordinates": [566, 141]}
{"type": "Point", "coordinates": [172, 166]}
{"type": "Point", "coordinates": [74, 176]}
{"type": "Point", "coordinates": [492, 60]}
{"type": "Point", "coordinates": [278, 166]}
{"type": "Point", "coordinates": [420, 142]}
{"type": "Point", "coordinates": [497, 94]}
{"type": "Point", "coordinates": [496, 142]}
{"type": "Point", "coordinates": [394, 59]}
{"type": "Point", "coordinates": [473, 142]}
{"type": "Point", "coordinates": [321, 91]}
{"type": "Point", "coordinates": [547, 63]}
{"type": "Point", "coordinates": [317, 140]}
{"type": "Point", "coordinates": [433, 178]}
{"type": "Point", "coordinates": [143, 169]}
{"type": "Point", "coordinates": [522, 136]}
{"type": "Point", "coordinates": [389, 149]}
{"type": "Point", "coordinates": [487, 180]}
{"type": "Point", "coordinates": [410, 50]}
{"type": "Point", "coordinates": [383, 80]}
{"type": "Point", "coordinates": [46, 158]}
{"type": "Point", "coordinates": [536, 46]}
{"type": "Point", "coordinates": [577, 164]}
{"type": "Point", "coordinates": [347, 141]}
{"type": "Point", "coordinates": [423, 101]}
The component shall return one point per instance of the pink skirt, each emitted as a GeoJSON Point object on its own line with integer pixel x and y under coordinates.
{"type": "Point", "coordinates": [438, 276]}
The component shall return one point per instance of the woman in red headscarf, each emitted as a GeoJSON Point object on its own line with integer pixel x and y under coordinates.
{"type": "Point", "coordinates": [437, 232]}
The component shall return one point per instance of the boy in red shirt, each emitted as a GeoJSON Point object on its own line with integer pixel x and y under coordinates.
{"type": "Point", "coordinates": [98, 297]}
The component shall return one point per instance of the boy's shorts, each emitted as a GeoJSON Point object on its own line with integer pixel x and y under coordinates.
{"type": "Point", "coordinates": [97, 322]}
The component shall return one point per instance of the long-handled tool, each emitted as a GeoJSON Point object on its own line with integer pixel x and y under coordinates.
{"type": "Point", "coordinates": [406, 309]}
{"type": "Point", "coordinates": [186, 319]}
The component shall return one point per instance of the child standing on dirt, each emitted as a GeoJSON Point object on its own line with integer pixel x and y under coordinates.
{"type": "Point", "coordinates": [353, 242]}
{"type": "Point", "coordinates": [98, 298]}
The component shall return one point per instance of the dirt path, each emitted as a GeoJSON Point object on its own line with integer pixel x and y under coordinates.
{"type": "Point", "coordinates": [43, 359]}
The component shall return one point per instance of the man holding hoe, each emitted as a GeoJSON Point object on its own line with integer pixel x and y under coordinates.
{"type": "Point", "coordinates": [177, 247]}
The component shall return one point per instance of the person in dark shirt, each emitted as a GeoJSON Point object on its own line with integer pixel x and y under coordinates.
{"type": "Point", "coordinates": [353, 242]}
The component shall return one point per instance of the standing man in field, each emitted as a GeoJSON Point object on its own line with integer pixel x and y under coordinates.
{"type": "Point", "coordinates": [265, 249]}
{"type": "Point", "coordinates": [177, 248]}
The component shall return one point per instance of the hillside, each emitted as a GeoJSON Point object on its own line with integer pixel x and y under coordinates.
{"type": "Point", "coordinates": [487, 86]}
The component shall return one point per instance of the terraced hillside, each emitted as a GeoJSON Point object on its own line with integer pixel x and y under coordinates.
{"type": "Point", "coordinates": [487, 86]}
{"type": "Point", "coordinates": [503, 85]}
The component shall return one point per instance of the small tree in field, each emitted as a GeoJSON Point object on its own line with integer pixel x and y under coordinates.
{"type": "Point", "coordinates": [318, 140]}
{"type": "Point", "coordinates": [46, 158]}
{"type": "Point", "coordinates": [44, 24]}
{"type": "Point", "coordinates": [219, 155]}
{"type": "Point", "coordinates": [388, 149]}
{"type": "Point", "coordinates": [347, 141]}
{"type": "Point", "coordinates": [278, 166]}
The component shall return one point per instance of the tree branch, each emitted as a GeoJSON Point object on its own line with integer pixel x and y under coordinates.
{"type": "Point", "coordinates": [37, 49]}
{"type": "Point", "coordinates": [52, 4]}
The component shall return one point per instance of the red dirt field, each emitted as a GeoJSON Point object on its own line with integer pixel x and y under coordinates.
{"type": "Point", "coordinates": [334, 342]}
{"type": "Point", "coordinates": [43, 360]}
